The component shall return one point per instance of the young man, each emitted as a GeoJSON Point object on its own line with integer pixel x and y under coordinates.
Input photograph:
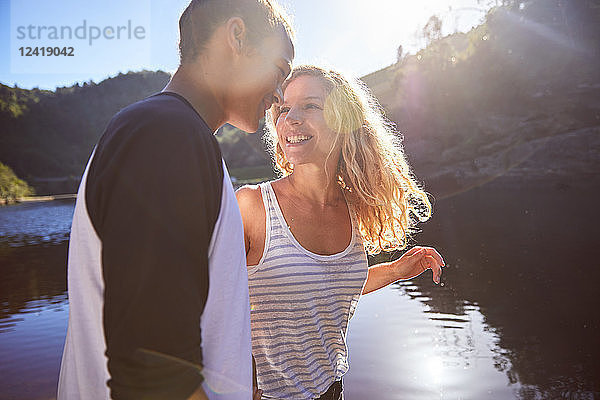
{"type": "Point", "coordinates": [157, 267]}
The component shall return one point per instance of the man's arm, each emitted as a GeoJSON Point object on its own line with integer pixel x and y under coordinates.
{"type": "Point", "coordinates": [154, 200]}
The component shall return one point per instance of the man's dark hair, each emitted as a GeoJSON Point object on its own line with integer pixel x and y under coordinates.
{"type": "Point", "coordinates": [201, 17]}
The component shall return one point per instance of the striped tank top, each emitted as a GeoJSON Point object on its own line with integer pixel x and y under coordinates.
{"type": "Point", "coordinates": [300, 305]}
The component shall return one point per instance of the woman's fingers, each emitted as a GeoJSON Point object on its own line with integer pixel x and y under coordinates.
{"type": "Point", "coordinates": [434, 253]}
{"type": "Point", "coordinates": [426, 258]}
{"type": "Point", "coordinates": [436, 268]}
{"type": "Point", "coordinates": [429, 251]}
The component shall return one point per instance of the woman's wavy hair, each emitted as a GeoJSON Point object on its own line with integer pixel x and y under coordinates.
{"type": "Point", "coordinates": [372, 169]}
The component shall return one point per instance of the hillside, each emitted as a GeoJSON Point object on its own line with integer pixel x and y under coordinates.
{"type": "Point", "coordinates": [471, 106]}
{"type": "Point", "coordinates": [46, 137]}
{"type": "Point", "coordinates": [497, 100]}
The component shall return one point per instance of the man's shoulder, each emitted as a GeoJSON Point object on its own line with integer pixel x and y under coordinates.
{"type": "Point", "coordinates": [159, 119]}
{"type": "Point", "coordinates": [162, 109]}
{"type": "Point", "coordinates": [156, 128]}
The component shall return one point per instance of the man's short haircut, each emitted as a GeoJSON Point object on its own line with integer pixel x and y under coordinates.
{"type": "Point", "coordinates": [201, 17]}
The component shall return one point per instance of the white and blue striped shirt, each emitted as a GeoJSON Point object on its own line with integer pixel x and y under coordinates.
{"type": "Point", "coordinates": [301, 303]}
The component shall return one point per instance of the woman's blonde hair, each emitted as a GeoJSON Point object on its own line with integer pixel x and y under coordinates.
{"type": "Point", "coordinates": [372, 168]}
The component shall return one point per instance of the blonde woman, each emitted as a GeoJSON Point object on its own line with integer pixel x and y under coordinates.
{"type": "Point", "coordinates": [346, 191]}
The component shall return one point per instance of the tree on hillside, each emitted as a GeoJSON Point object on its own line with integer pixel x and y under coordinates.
{"type": "Point", "coordinates": [432, 30]}
{"type": "Point", "coordinates": [11, 187]}
{"type": "Point", "coordinates": [399, 53]}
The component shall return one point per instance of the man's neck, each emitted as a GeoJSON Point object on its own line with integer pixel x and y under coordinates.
{"type": "Point", "coordinates": [195, 87]}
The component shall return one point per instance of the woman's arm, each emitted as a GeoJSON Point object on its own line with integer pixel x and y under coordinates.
{"type": "Point", "coordinates": [411, 264]}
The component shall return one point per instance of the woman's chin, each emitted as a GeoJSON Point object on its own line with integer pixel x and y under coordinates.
{"type": "Point", "coordinates": [294, 159]}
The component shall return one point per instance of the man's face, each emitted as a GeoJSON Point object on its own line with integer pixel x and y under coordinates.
{"type": "Point", "coordinates": [259, 76]}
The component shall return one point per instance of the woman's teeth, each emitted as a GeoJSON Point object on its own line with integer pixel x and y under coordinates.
{"type": "Point", "coordinates": [297, 138]}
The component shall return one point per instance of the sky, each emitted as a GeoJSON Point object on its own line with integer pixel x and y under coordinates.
{"type": "Point", "coordinates": [99, 39]}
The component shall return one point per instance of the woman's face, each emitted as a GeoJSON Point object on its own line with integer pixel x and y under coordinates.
{"type": "Point", "coordinates": [302, 131]}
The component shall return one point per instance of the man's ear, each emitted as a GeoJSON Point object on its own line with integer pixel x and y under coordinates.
{"type": "Point", "coordinates": [236, 34]}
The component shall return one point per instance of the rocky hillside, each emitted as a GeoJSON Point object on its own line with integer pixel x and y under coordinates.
{"type": "Point", "coordinates": [517, 97]}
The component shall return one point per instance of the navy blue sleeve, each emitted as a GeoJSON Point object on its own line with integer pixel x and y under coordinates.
{"type": "Point", "coordinates": [153, 194]}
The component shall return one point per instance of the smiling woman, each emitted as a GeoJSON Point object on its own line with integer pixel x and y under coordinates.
{"type": "Point", "coordinates": [347, 188]}
{"type": "Point", "coordinates": [334, 123]}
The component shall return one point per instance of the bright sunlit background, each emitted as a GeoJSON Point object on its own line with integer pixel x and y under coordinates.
{"type": "Point", "coordinates": [355, 36]}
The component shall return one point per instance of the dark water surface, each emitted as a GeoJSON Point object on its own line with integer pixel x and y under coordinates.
{"type": "Point", "coordinates": [517, 315]}
{"type": "Point", "coordinates": [33, 300]}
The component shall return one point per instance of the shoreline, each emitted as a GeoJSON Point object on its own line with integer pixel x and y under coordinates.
{"type": "Point", "coordinates": [33, 199]}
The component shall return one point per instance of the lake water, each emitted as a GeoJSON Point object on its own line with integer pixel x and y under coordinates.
{"type": "Point", "coordinates": [517, 315]}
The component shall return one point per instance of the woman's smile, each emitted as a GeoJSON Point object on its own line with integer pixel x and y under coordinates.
{"type": "Point", "coordinates": [297, 139]}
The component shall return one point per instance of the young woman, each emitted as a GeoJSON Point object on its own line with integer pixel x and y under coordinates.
{"type": "Point", "coordinates": [346, 191]}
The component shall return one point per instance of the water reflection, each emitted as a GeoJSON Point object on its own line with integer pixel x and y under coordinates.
{"type": "Point", "coordinates": [401, 349]}
{"type": "Point", "coordinates": [32, 277]}
{"type": "Point", "coordinates": [516, 316]}
{"type": "Point", "coordinates": [30, 350]}
{"type": "Point", "coordinates": [527, 257]}
{"type": "Point", "coordinates": [33, 300]}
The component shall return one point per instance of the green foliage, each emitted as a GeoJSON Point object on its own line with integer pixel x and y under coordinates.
{"type": "Point", "coordinates": [241, 150]}
{"type": "Point", "coordinates": [48, 136]}
{"type": "Point", "coordinates": [255, 174]}
{"type": "Point", "coordinates": [11, 187]}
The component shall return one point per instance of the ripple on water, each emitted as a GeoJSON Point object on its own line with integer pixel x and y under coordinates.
{"type": "Point", "coordinates": [32, 223]}
{"type": "Point", "coordinates": [30, 351]}
{"type": "Point", "coordinates": [415, 353]}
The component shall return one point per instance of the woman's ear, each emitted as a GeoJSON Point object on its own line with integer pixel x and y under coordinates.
{"type": "Point", "coordinates": [236, 34]}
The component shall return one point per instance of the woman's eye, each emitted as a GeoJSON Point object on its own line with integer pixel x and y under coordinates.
{"type": "Point", "coordinates": [313, 106]}
{"type": "Point", "coordinates": [283, 109]}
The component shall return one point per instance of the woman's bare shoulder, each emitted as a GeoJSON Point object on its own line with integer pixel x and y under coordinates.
{"type": "Point", "coordinates": [253, 212]}
{"type": "Point", "coordinates": [248, 196]}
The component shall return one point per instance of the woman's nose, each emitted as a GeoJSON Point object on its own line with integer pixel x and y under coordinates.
{"type": "Point", "coordinates": [293, 116]}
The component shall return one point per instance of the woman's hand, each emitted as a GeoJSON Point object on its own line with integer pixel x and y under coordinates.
{"type": "Point", "coordinates": [416, 261]}
{"type": "Point", "coordinates": [412, 263]}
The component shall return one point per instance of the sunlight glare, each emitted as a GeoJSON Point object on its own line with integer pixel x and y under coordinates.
{"type": "Point", "coordinates": [434, 368]}
{"type": "Point", "coordinates": [379, 27]}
